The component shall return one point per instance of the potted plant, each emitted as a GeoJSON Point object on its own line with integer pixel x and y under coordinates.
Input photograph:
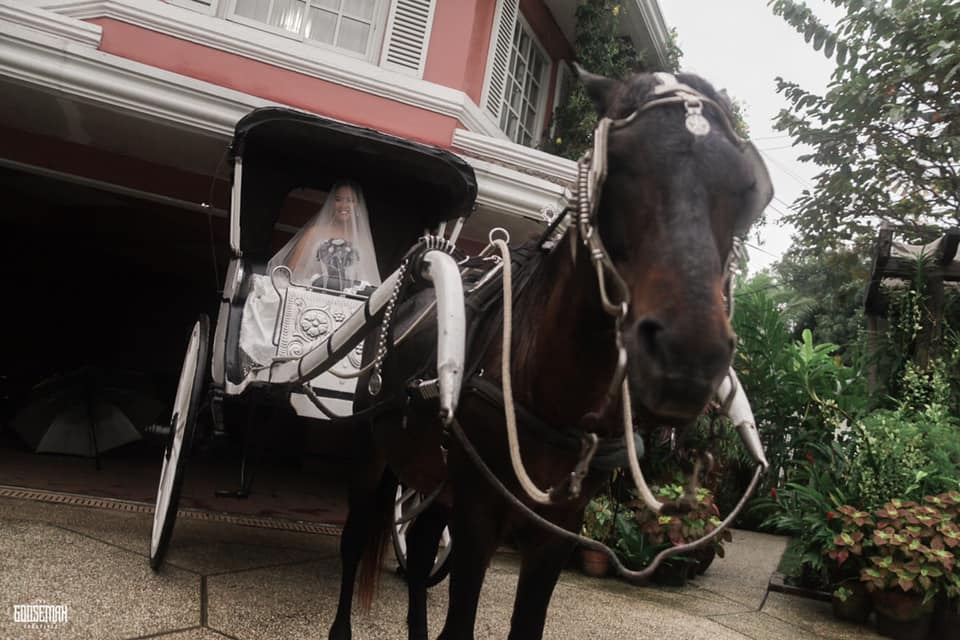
{"type": "Point", "coordinates": [946, 616]}
{"type": "Point", "coordinates": [662, 531]}
{"type": "Point", "coordinates": [845, 560]}
{"type": "Point", "coordinates": [910, 565]}
{"type": "Point", "coordinates": [598, 523]}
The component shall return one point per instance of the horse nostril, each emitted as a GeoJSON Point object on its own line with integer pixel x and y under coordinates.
{"type": "Point", "coordinates": [648, 329]}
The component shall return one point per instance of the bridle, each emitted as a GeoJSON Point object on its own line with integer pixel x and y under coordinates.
{"type": "Point", "coordinates": [592, 174]}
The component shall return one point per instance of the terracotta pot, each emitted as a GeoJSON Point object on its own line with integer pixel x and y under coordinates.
{"type": "Point", "coordinates": [946, 620]}
{"type": "Point", "coordinates": [902, 615]}
{"type": "Point", "coordinates": [595, 563]}
{"type": "Point", "coordinates": [858, 605]}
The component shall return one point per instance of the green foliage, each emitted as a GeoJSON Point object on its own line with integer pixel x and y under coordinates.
{"type": "Point", "coordinates": [787, 380]}
{"type": "Point", "coordinates": [825, 293]}
{"type": "Point", "coordinates": [887, 131]}
{"type": "Point", "coordinates": [908, 315]}
{"type": "Point", "coordinates": [641, 534]}
{"type": "Point", "coordinates": [599, 48]}
{"type": "Point", "coordinates": [598, 519]}
{"type": "Point", "coordinates": [887, 458]}
{"type": "Point", "coordinates": [802, 506]}
{"type": "Point", "coordinates": [910, 546]}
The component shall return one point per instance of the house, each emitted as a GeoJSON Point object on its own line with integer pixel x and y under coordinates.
{"type": "Point", "coordinates": [115, 115]}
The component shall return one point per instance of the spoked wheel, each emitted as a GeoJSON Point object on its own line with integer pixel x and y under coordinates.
{"type": "Point", "coordinates": [407, 500]}
{"type": "Point", "coordinates": [193, 377]}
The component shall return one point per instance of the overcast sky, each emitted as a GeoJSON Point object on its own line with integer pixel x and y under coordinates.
{"type": "Point", "coordinates": [741, 46]}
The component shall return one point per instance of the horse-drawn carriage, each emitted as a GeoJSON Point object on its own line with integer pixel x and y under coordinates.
{"type": "Point", "coordinates": [622, 325]}
{"type": "Point", "coordinates": [279, 340]}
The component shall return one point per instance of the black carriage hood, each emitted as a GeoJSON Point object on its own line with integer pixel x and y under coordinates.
{"type": "Point", "coordinates": [409, 186]}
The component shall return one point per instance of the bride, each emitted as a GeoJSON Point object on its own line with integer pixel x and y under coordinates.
{"type": "Point", "coordinates": [334, 249]}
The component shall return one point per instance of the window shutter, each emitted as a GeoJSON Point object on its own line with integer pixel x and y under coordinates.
{"type": "Point", "coordinates": [499, 58]}
{"type": "Point", "coordinates": [408, 36]}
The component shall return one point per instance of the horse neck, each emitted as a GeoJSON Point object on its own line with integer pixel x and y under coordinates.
{"type": "Point", "coordinates": [564, 342]}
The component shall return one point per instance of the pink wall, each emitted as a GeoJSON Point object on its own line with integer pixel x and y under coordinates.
{"type": "Point", "coordinates": [273, 83]}
{"type": "Point", "coordinates": [459, 42]}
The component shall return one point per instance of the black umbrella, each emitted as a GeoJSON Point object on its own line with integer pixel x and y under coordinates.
{"type": "Point", "coordinates": [84, 414]}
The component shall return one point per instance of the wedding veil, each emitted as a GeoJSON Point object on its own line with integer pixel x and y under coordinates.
{"type": "Point", "coordinates": [301, 254]}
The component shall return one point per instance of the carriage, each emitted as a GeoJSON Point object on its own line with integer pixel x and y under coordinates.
{"type": "Point", "coordinates": [278, 340]}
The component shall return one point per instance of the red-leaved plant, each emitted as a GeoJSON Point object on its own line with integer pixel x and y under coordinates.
{"type": "Point", "coordinates": [905, 545]}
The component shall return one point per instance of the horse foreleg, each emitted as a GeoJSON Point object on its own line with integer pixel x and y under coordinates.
{"type": "Point", "coordinates": [543, 559]}
{"type": "Point", "coordinates": [476, 530]}
{"type": "Point", "coordinates": [422, 543]}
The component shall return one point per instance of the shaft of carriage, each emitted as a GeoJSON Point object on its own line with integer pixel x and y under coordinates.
{"type": "Point", "coordinates": [438, 268]}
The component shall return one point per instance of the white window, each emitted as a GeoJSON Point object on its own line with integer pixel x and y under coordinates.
{"type": "Point", "coordinates": [204, 6]}
{"type": "Point", "coordinates": [348, 25]}
{"type": "Point", "coordinates": [518, 77]}
{"type": "Point", "coordinates": [522, 114]}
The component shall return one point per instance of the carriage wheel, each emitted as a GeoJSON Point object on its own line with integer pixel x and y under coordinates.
{"type": "Point", "coordinates": [182, 426]}
{"type": "Point", "coordinates": [408, 499]}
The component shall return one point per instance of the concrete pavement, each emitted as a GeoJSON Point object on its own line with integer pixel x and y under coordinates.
{"type": "Point", "coordinates": [222, 580]}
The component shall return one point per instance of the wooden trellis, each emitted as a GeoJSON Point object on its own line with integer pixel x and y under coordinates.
{"type": "Point", "coordinates": [895, 262]}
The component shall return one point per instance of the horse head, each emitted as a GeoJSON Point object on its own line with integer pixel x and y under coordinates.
{"type": "Point", "coordinates": [680, 188]}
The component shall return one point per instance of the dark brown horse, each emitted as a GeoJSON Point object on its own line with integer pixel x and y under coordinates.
{"type": "Point", "coordinates": [680, 186]}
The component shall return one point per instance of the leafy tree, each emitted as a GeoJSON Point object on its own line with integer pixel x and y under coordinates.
{"type": "Point", "coordinates": [825, 294]}
{"type": "Point", "coordinates": [887, 131]}
{"type": "Point", "coordinates": [600, 49]}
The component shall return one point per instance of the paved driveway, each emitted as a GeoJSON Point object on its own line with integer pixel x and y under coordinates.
{"type": "Point", "coordinates": [228, 581]}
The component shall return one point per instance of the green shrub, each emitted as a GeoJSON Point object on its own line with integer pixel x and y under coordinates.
{"type": "Point", "coordinates": [886, 455]}
{"type": "Point", "coordinates": [795, 387]}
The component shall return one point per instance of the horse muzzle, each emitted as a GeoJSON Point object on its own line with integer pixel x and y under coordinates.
{"type": "Point", "coordinates": [675, 374]}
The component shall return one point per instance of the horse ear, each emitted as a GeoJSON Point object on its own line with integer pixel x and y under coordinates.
{"type": "Point", "coordinates": [599, 88]}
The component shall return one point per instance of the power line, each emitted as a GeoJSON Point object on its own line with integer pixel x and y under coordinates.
{"type": "Point", "coordinates": [783, 202]}
{"type": "Point", "coordinates": [780, 137]}
{"type": "Point", "coordinates": [776, 209]}
{"type": "Point", "coordinates": [753, 246]}
{"type": "Point", "coordinates": [782, 167]}
{"type": "Point", "coordinates": [786, 146]}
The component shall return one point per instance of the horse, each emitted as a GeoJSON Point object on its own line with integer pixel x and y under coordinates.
{"type": "Point", "coordinates": [630, 301]}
